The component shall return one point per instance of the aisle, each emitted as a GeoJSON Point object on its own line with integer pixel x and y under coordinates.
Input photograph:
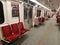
{"type": "Point", "coordinates": [47, 34]}
{"type": "Point", "coordinates": [52, 34]}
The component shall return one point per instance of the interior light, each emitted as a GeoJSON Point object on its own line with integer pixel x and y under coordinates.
{"type": "Point", "coordinates": [40, 4]}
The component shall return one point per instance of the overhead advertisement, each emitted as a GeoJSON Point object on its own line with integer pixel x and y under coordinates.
{"type": "Point", "coordinates": [15, 9]}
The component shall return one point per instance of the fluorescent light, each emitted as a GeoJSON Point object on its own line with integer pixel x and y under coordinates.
{"type": "Point", "coordinates": [40, 4]}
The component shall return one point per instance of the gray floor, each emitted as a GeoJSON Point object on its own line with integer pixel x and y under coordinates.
{"type": "Point", "coordinates": [46, 34]}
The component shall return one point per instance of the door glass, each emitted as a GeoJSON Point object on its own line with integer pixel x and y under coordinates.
{"type": "Point", "coordinates": [25, 12]}
{"type": "Point", "coordinates": [1, 13]}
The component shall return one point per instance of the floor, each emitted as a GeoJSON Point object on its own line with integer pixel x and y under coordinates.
{"type": "Point", "coordinates": [46, 34]}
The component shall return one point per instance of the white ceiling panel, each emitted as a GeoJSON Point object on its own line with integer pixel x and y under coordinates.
{"type": "Point", "coordinates": [53, 4]}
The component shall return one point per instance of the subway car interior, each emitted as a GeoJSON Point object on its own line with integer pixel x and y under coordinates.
{"type": "Point", "coordinates": [29, 22]}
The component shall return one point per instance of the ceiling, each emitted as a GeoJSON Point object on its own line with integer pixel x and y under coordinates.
{"type": "Point", "coordinates": [52, 4]}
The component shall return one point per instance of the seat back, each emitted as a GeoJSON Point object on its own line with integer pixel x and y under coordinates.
{"type": "Point", "coordinates": [21, 25]}
{"type": "Point", "coordinates": [58, 20]}
{"type": "Point", "coordinates": [48, 16]}
{"type": "Point", "coordinates": [6, 31]}
{"type": "Point", "coordinates": [43, 19]}
{"type": "Point", "coordinates": [15, 29]}
{"type": "Point", "coordinates": [39, 19]}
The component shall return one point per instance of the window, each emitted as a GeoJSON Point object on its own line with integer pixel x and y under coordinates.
{"type": "Point", "coordinates": [38, 13]}
{"type": "Point", "coordinates": [1, 13]}
{"type": "Point", "coordinates": [25, 12]}
{"type": "Point", "coordinates": [30, 12]}
{"type": "Point", "coordinates": [25, 1]}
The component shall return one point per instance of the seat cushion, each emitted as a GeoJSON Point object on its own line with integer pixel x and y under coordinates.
{"type": "Point", "coordinates": [22, 32]}
{"type": "Point", "coordinates": [12, 37]}
{"type": "Point", "coordinates": [15, 29]}
{"type": "Point", "coordinates": [58, 20]}
{"type": "Point", "coordinates": [43, 19]}
{"type": "Point", "coordinates": [1, 44]}
{"type": "Point", "coordinates": [6, 31]}
{"type": "Point", "coordinates": [26, 30]}
{"type": "Point", "coordinates": [40, 20]}
{"type": "Point", "coordinates": [21, 25]}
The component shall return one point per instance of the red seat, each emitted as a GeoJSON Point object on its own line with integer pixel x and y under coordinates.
{"type": "Point", "coordinates": [15, 29]}
{"type": "Point", "coordinates": [12, 37]}
{"type": "Point", "coordinates": [43, 19]}
{"type": "Point", "coordinates": [58, 20]}
{"type": "Point", "coordinates": [40, 20]}
{"type": "Point", "coordinates": [7, 33]}
{"type": "Point", "coordinates": [56, 16]}
{"type": "Point", "coordinates": [48, 16]}
{"type": "Point", "coordinates": [1, 44]}
{"type": "Point", "coordinates": [23, 30]}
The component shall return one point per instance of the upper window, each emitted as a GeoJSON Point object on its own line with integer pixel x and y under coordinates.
{"type": "Point", "coordinates": [1, 13]}
{"type": "Point", "coordinates": [30, 12]}
{"type": "Point", "coordinates": [25, 1]}
{"type": "Point", "coordinates": [38, 13]}
{"type": "Point", "coordinates": [25, 12]}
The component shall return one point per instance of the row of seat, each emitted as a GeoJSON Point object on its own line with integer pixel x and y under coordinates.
{"type": "Point", "coordinates": [41, 20]}
{"type": "Point", "coordinates": [58, 19]}
{"type": "Point", "coordinates": [48, 16]}
{"type": "Point", "coordinates": [13, 31]}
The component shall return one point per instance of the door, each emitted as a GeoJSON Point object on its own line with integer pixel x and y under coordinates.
{"type": "Point", "coordinates": [28, 16]}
